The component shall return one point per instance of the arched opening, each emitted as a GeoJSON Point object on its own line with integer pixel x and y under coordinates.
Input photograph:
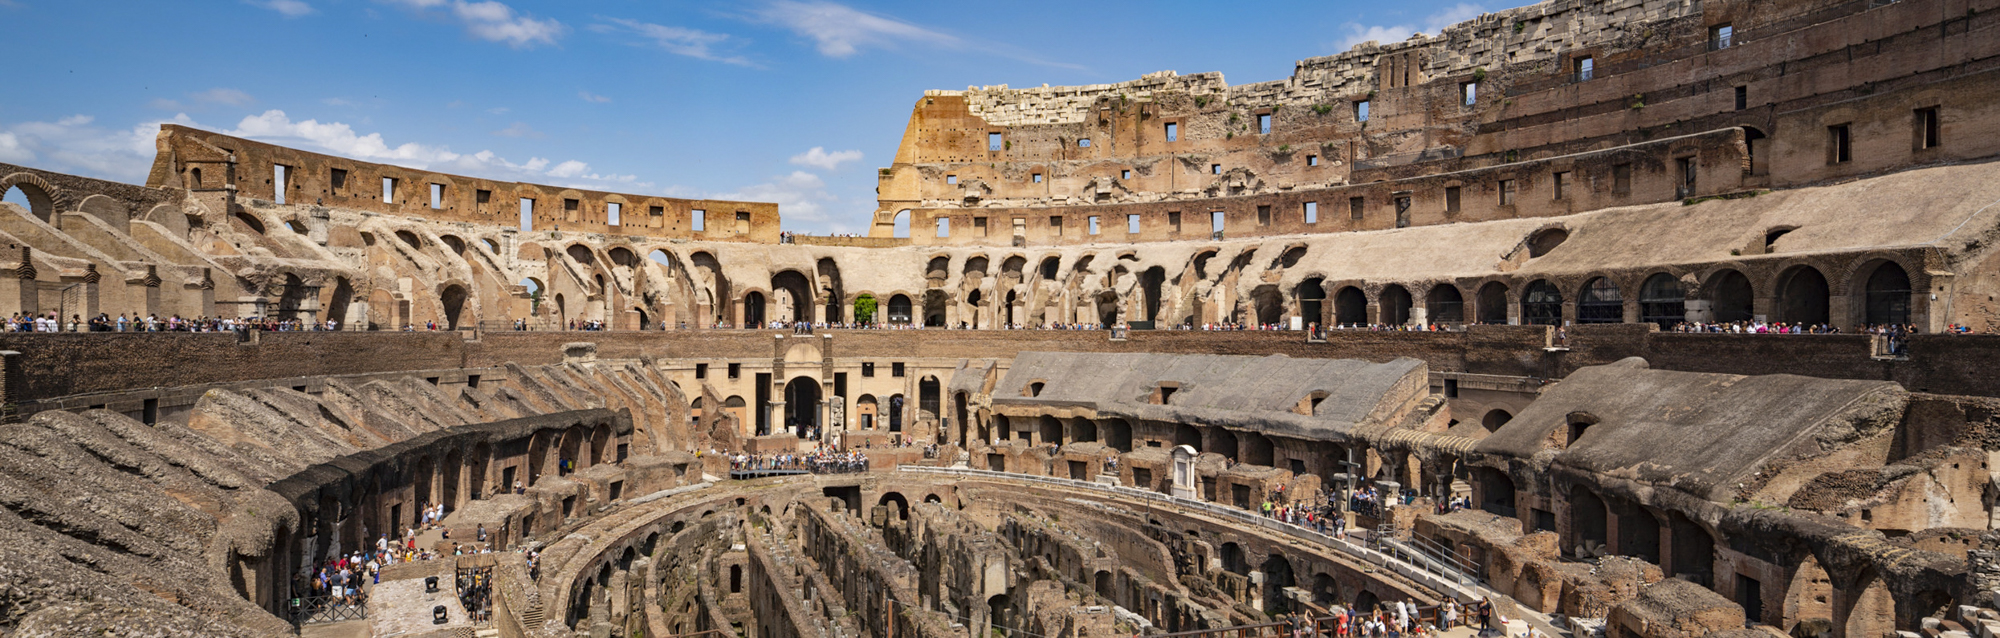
{"type": "Point", "coordinates": [1662, 302]}
{"type": "Point", "coordinates": [1256, 449]}
{"type": "Point", "coordinates": [927, 398]}
{"type": "Point", "coordinates": [1493, 303]}
{"type": "Point", "coordinates": [1107, 309]}
{"type": "Point", "coordinates": [336, 303]}
{"type": "Point", "coordinates": [901, 226]}
{"type": "Point", "coordinates": [1277, 577]}
{"type": "Point", "coordinates": [1223, 442]}
{"type": "Point", "coordinates": [1051, 431]}
{"type": "Point", "coordinates": [1187, 435]}
{"type": "Point", "coordinates": [1270, 309]}
{"type": "Point", "coordinates": [1692, 550]}
{"type": "Point", "coordinates": [1888, 296]}
{"type": "Point", "coordinates": [456, 244]}
{"type": "Point", "coordinates": [453, 300]}
{"type": "Point", "coordinates": [802, 407]}
{"type": "Point", "coordinates": [958, 417]}
{"type": "Point", "coordinates": [899, 507]}
{"type": "Point", "coordinates": [1311, 295]}
{"type": "Point", "coordinates": [1494, 419]}
{"type": "Point", "coordinates": [580, 253]}
{"type": "Point", "coordinates": [1546, 240]}
{"type": "Point", "coordinates": [865, 411]}
{"type": "Point", "coordinates": [895, 413]}
{"type": "Point", "coordinates": [1150, 282]}
{"type": "Point", "coordinates": [1870, 610]}
{"type": "Point", "coordinates": [1542, 304]}
{"type": "Point", "coordinates": [793, 295]}
{"type": "Point", "coordinates": [1117, 434]}
{"type": "Point", "coordinates": [1325, 590]}
{"type": "Point", "coordinates": [491, 246]}
{"type": "Point", "coordinates": [899, 309]}
{"type": "Point", "coordinates": [1233, 560]}
{"type": "Point", "coordinates": [1101, 583]}
{"type": "Point", "coordinates": [753, 310]}
{"type": "Point", "coordinates": [1802, 296]}
{"type": "Point", "coordinates": [1367, 602]}
{"type": "Point", "coordinates": [1395, 302]}
{"type": "Point", "coordinates": [1444, 304]}
{"type": "Point", "coordinates": [1600, 302]}
{"type": "Point", "coordinates": [975, 311]}
{"type": "Point", "coordinates": [998, 612]}
{"type": "Point", "coordinates": [1731, 298]}
{"type": "Point", "coordinates": [37, 202]}
{"type": "Point", "coordinates": [1496, 491]}
{"type": "Point", "coordinates": [1350, 307]}
{"type": "Point", "coordinates": [934, 303]}
{"type": "Point", "coordinates": [255, 225]}
{"type": "Point", "coordinates": [1587, 524]}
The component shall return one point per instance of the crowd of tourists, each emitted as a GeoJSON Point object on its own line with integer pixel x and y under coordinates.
{"type": "Point", "coordinates": [823, 461]}
{"type": "Point", "coordinates": [50, 322]}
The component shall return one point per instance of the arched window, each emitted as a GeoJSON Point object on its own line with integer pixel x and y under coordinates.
{"type": "Point", "coordinates": [1600, 303]}
{"type": "Point", "coordinates": [1444, 304]}
{"type": "Point", "coordinates": [1731, 299]}
{"type": "Point", "coordinates": [1888, 295]}
{"type": "Point", "coordinates": [1395, 303]}
{"type": "Point", "coordinates": [1493, 303]}
{"type": "Point", "coordinates": [1350, 307]}
{"type": "Point", "coordinates": [1542, 305]}
{"type": "Point", "coordinates": [1802, 296]}
{"type": "Point", "coordinates": [1662, 301]}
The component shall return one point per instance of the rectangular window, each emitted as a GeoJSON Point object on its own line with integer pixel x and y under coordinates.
{"type": "Point", "coordinates": [437, 196]}
{"type": "Point", "coordinates": [1838, 150]}
{"type": "Point", "coordinates": [1216, 221]}
{"type": "Point", "coordinates": [612, 212]}
{"type": "Point", "coordinates": [944, 226]}
{"type": "Point", "coordinates": [388, 190]}
{"type": "Point", "coordinates": [868, 369]}
{"type": "Point", "coordinates": [1506, 192]}
{"type": "Point", "coordinates": [571, 205]}
{"type": "Point", "coordinates": [1020, 227]}
{"type": "Point", "coordinates": [993, 141]}
{"type": "Point", "coordinates": [1354, 207]}
{"type": "Point", "coordinates": [1312, 160]}
{"type": "Point", "coordinates": [1173, 132]}
{"type": "Point", "coordinates": [979, 226]}
{"type": "Point", "coordinates": [1263, 215]}
{"type": "Point", "coordinates": [1561, 182]}
{"type": "Point", "coordinates": [1720, 37]}
{"type": "Point", "coordinates": [1091, 223]}
{"type": "Point", "coordinates": [1083, 143]}
{"type": "Point", "coordinates": [338, 179]}
{"type": "Point", "coordinates": [698, 220]}
{"type": "Point", "coordinates": [1055, 224]}
{"type": "Point", "coordinates": [1742, 97]}
{"type": "Point", "coordinates": [735, 370]}
{"type": "Point", "coordinates": [1468, 93]}
{"type": "Point", "coordinates": [1451, 194]}
{"type": "Point", "coordinates": [1361, 110]}
{"type": "Point", "coordinates": [1131, 224]}
{"type": "Point", "coordinates": [951, 179]}
{"type": "Point", "coordinates": [656, 211]}
{"type": "Point", "coordinates": [1686, 167]}
{"type": "Point", "coordinates": [1585, 67]}
{"type": "Point", "coordinates": [1038, 178]}
{"type": "Point", "coordinates": [1174, 221]}
{"type": "Point", "coordinates": [742, 223]}
{"type": "Point", "coordinates": [701, 371]}
{"type": "Point", "coordinates": [278, 186]}
{"type": "Point", "coordinates": [1311, 212]}
{"type": "Point", "coordinates": [1926, 128]}
{"type": "Point", "coordinates": [896, 369]}
{"type": "Point", "coordinates": [1264, 123]}
{"type": "Point", "coordinates": [527, 214]}
{"type": "Point", "coordinates": [1621, 179]}
{"type": "Point", "coordinates": [1125, 174]}
{"type": "Point", "coordinates": [1215, 169]}
{"type": "Point", "coordinates": [482, 196]}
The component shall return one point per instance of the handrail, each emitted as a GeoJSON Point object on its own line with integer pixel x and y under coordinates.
{"type": "Point", "coordinates": [1467, 587]}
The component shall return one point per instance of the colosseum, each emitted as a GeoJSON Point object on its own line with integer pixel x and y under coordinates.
{"type": "Point", "coordinates": [1627, 318]}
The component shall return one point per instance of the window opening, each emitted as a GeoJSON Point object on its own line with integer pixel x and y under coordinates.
{"type": "Point", "coordinates": [1215, 169]}
{"type": "Point", "coordinates": [1263, 215]}
{"type": "Point", "coordinates": [1216, 221]}
{"type": "Point", "coordinates": [1742, 97]}
{"type": "Point", "coordinates": [698, 221]}
{"type": "Point", "coordinates": [1720, 37]}
{"type": "Point", "coordinates": [1173, 132]}
{"type": "Point", "coordinates": [1354, 207]}
{"type": "Point", "coordinates": [1468, 93]}
{"type": "Point", "coordinates": [1506, 192]}
{"type": "Point", "coordinates": [1585, 68]}
{"type": "Point", "coordinates": [388, 190]}
{"type": "Point", "coordinates": [1264, 123]}
{"type": "Point", "coordinates": [1311, 210]}
{"type": "Point", "coordinates": [944, 226]}
{"type": "Point", "coordinates": [1561, 183]}
{"type": "Point", "coordinates": [278, 186]}
{"type": "Point", "coordinates": [1312, 160]}
{"type": "Point", "coordinates": [1361, 111]}
{"type": "Point", "coordinates": [612, 212]}
{"type": "Point", "coordinates": [1092, 224]}
{"type": "Point", "coordinates": [951, 179]}
{"type": "Point", "coordinates": [527, 214]}
{"type": "Point", "coordinates": [437, 196]}
{"type": "Point", "coordinates": [993, 141]}
{"type": "Point", "coordinates": [1055, 224]}
{"type": "Point", "coordinates": [1132, 224]}
{"type": "Point", "coordinates": [1927, 128]}
{"type": "Point", "coordinates": [1083, 143]}
{"type": "Point", "coordinates": [1451, 201]}
{"type": "Point", "coordinates": [1621, 178]}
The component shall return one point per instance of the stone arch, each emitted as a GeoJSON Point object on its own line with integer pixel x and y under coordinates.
{"type": "Point", "coordinates": [1886, 294]}
{"type": "Point", "coordinates": [1394, 303]}
{"type": "Point", "coordinates": [1730, 295]}
{"type": "Point", "coordinates": [1277, 577]}
{"type": "Point", "coordinates": [796, 286]}
{"type": "Point", "coordinates": [1803, 295]}
{"type": "Point", "coordinates": [1494, 419]}
{"type": "Point", "coordinates": [802, 398]}
{"type": "Point", "coordinates": [1588, 523]}
{"type": "Point", "coordinates": [1269, 306]}
{"type": "Point", "coordinates": [456, 244]}
{"type": "Point", "coordinates": [1541, 304]}
{"type": "Point", "coordinates": [1311, 298]}
{"type": "Point", "coordinates": [1809, 597]}
{"type": "Point", "coordinates": [1600, 301]}
{"type": "Point", "coordinates": [1866, 608]}
{"type": "Point", "coordinates": [1350, 306]}
{"type": "Point", "coordinates": [1444, 304]}
{"type": "Point", "coordinates": [1662, 301]}
{"type": "Point", "coordinates": [43, 198]}
{"type": "Point", "coordinates": [900, 506]}
{"type": "Point", "coordinates": [452, 298]}
{"type": "Point", "coordinates": [753, 310]}
{"type": "Point", "coordinates": [408, 238]}
{"type": "Point", "coordinates": [1492, 303]}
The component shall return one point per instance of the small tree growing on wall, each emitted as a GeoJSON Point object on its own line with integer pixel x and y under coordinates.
{"type": "Point", "coordinates": [864, 309]}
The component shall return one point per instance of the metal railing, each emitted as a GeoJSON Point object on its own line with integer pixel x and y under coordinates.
{"type": "Point", "coordinates": [1414, 564]}
{"type": "Point", "coordinates": [325, 609]}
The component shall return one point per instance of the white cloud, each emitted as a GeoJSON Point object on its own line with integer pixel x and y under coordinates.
{"type": "Point", "coordinates": [693, 43]}
{"type": "Point", "coordinates": [494, 21]}
{"type": "Point", "coordinates": [291, 8]}
{"type": "Point", "coordinates": [571, 168]}
{"type": "Point", "coordinates": [801, 196]}
{"type": "Point", "coordinates": [337, 101]}
{"type": "Point", "coordinates": [75, 145]}
{"type": "Point", "coordinates": [1434, 23]}
{"type": "Point", "coordinates": [12, 151]}
{"type": "Point", "coordinates": [519, 129]}
{"type": "Point", "coordinates": [220, 95]}
{"type": "Point", "coordinates": [818, 157]}
{"type": "Point", "coordinates": [840, 31]}
{"type": "Point", "coordinates": [592, 97]}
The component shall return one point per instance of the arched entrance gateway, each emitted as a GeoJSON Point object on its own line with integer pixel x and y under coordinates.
{"type": "Point", "coordinates": [802, 407]}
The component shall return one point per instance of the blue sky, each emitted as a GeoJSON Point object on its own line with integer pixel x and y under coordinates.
{"type": "Point", "coordinates": [792, 101]}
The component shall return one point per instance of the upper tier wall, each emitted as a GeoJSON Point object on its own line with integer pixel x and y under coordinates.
{"type": "Point", "coordinates": [51, 366]}
{"type": "Point", "coordinates": [215, 164]}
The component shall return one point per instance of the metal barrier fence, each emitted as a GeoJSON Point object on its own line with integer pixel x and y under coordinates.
{"type": "Point", "coordinates": [325, 609]}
